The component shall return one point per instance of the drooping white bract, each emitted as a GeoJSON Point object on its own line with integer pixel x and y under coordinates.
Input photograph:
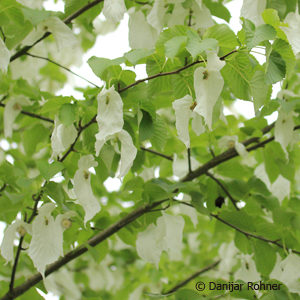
{"type": "Point", "coordinates": [110, 123]}
{"type": "Point", "coordinates": [166, 235]}
{"type": "Point", "coordinates": [141, 35]}
{"type": "Point", "coordinates": [156, 16]}
{"type": "Point", "coordinates": [7, 245]}
{"type": "Point", "coordinates": [12, 109]}
{"type": "Point", "coordinates": [280, 188]}
{"type": "Point", "coordinates": [202, 16]}
{"type": "Point", "coordinates": [64, 36]}
{"type": "Point", "coordinates": [208, 85]}
{"type": "Point", "coordinates": [252, 10]}
{"type": "Point", "coordinates": [4, 56]}
{"type": "Point", "coordinates": [109, 116]}
{"type": "Point", "coordinates": [293, 30]}
{"type": "Point", "coordinates": [62, 137]}
{"type": "Point", "coordinates": [248, 271]}
{"type": "Point", "coordinates": [83, 189]}
{"type": "Point", "coordinates": [232, 141]}
{"type": "Point", "coordinates": [114, 10]}
{"type": "Point", "coordinates": [228, 254]}
{"type": "Point", "coordinates": [284, 128]}
{"type": "Point", "coordinates": [183, 112]}
{"type": "Point", "coordinates": [284, 271]}
{"type": "Point", "coordinates": [46, 245]}
{"type": "Point", "coordinates": [62, 284]}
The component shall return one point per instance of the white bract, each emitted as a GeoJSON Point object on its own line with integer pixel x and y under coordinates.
{"type": "Point", "coordinates": [232, 141]}
{"type": "Point", "coordinates": [208, 85]}
{"type": "Point", "coordinates": [156, 16]}
{"type": "Point", "coordinates": [183, 112]}
{"type": "Point", "coordinates": [7, 245]}
{"type": "Point", "coordinates": [252, 10]}
{"type": "Point", "coordinates": [110, 123]}
{"type": "Point", "coordinates": [46, 245]}
{"type": "Point", "coordinates": [12, 109]}
{"type": "Point", "coordinates": [114, 10]}
{"type": "Point", "coordinates": [64, 36]}
{"type": "Point", "coordinates": [280, 188]}
{"type": "Point", "coordinates": [62, 284]}
{"type": "Point", "coordinates": [247, 272]}
{"type": "Point", "coordinates": [293, 30]}
{"type": "Point", "coordinates": [62, 137]}
{"type": "Point", "coordinates": [165, 236]}
{"type": "Point", "coordinates": [83, 189]}
{"type": "Point", "coordinates": [285, 270]}
{"type": "Point", "coordinates": [202, 16]}
{"type": "Point", "coordinates": [141, 34]}
{"type": "Point", "coordinates": [4, 56]}
{"type": "Point", "coordinates": [284, 129]}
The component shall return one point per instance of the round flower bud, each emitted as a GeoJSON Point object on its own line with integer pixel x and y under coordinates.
{"type": "Point", "coordinates": [21, 230]}
{"type": "Point", "coordinates": [66, 223]}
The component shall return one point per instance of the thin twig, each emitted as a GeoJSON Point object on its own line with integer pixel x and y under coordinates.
{"type": "Point", "coordinates": [32, 115]}
{"type": "Point", "coordinates": [95, 240]}
{"type": "Point", "coordinates": [248, 234]}
{"type": "Point", "coordinates": [81, 128]}
{"type": "Point", "coordinates": [68, 20]}
{"type": "Point", "coordinates": [63, 67]}
{"type": "Point", "coordinates": [14, 269]}
{"type": "Point", "coordinates": [189, 160]}
{"type": "Point", "coordinates": [229, 154]}
{"type": "Point", "coordinates": [233, 201]}
{"type": "Point", "coordinates": [157, 153]}
{"type": "Point", "coordinates": [20, 245]}
{"type": "Point", "coordinates": [190, 278]}
{"type": "Point", "coordinates": [171, 72]}
{"type": "Point", "coordinates": [3, 34]}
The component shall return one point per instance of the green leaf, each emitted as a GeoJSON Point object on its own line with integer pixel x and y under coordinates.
{"type": "Point", "coordinates": [196, 46]}
{"type": "Point", "coordinates": [218, 9]}
{"type": "Point", "coordinates": [146, 127]}
{"type": "Point", "coordinates": [99, 64]}
{"type": "Point", "coordinates": [276, 68]}
{"type": "Point", "coordinates": [137, 56]}
{"type": "Point", "coordinates": [35, 16]}
{"type": "Point", "coordinates": [264, 257]}
{"type": "Point", "coordinates": [237, 73]}
{"type": "Point", "coordinates": [274, 159]}
{"type": "Point", "coordinates": [67, 114]}
{"type": "Point", "coordinates": [224, 35]}
{"type": "Point", "coordinates": [262, 33]}
{"type": "Point", "coordinates": [187, 294]}
{"type": "Point", "coordinates": [49, 170]}
{"type": "Point", "coordinates": [261, 92]}
{"type": "Point", "coordinates": [175, 45]}
{"type": "Point", "coordinates": [285, 50]}
{"type": "Point", "coordinates": [32, 137]}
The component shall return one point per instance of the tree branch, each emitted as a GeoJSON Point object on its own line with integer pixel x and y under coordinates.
{"type": "Point", "coordinates": [32, 115]}
{"type": "Point", "coordinates": [68, 20]}
{"type": "Point", "coordinates": [228, 154]}
{"type": "Point", "coordinates": [61, 66]}
{"type": "Point", "coordinates": [98, 238]}
{"type": "Point", "coordinates": [233, 201]}
{"type": "Point", "coordinates": [171, 72]}
{"type": "Point", "coordinates": [248, 234]}
{"type": "Point", "coordinates": [157, 153]}
{"type": "Point", "coordinates": [81, 128]}
{"type": "Point", "coordinates": [190, 278]}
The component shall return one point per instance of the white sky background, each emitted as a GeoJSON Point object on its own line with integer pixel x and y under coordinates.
{"type": "Point", "coordinates": [114, 45]}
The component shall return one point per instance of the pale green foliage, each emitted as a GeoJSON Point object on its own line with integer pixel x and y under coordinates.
{"type": "Point", "coordinates": [191, 187]}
